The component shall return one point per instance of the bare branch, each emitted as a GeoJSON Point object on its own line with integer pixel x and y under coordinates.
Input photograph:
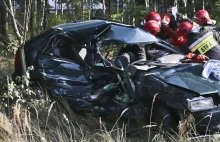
{"type": "Point", "coordinates": [10, 8]}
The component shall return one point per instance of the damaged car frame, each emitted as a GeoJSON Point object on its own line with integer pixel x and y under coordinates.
{"type": "Point", "coordinates": [68, 58]}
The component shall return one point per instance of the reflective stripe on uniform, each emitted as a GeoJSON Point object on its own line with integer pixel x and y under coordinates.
{"type": "Point", "coordinates": [204, 43]}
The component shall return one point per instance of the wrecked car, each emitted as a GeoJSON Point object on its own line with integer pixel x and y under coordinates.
{"type": "Point", "coordinates": [77, 62]}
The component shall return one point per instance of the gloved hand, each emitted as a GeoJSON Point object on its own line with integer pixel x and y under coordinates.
{"type": "Point", "coordinates": [201, 58]}
{"type": "Point", "coordinates": [190, 56]}
{"type": "Point", "coordinates": [197, 58]}
{"type": "Point", "coordinates": [181, 16]}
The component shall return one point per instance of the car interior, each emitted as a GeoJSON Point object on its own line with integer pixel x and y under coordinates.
{"type": "Point", "coordinates": [81, 52]}
{"type": "Point", "coordinates": [69, 49]}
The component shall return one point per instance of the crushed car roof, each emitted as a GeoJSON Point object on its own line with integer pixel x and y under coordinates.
{"type": "Point", "coordinates": [124, 34]}
{"type": "Point", "coordinates": [107, 32]}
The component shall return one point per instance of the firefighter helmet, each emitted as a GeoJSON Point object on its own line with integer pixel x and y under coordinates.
{"type": "Point", "coordinates": [152, 26]}
{"type": "Point", "coordinates": [184, 28]}
{"type": "Point", "coordinates": [202, 17]}
{"type": "Point", "coordinates": [152, 16]}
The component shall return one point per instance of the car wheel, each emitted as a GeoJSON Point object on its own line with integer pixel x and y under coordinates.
{"type": "Point", "coordinates": [163, 118]}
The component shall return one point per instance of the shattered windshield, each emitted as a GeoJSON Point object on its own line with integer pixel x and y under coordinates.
{"type": "Point", "coordinates": [120, 34]}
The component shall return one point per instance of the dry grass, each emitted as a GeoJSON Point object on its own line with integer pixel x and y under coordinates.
{"type": "Point", "coordinates": [58, 123]}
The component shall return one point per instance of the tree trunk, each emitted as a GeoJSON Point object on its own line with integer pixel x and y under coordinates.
{"type": "Point", "coordinates": [32, 18]}
{"type": "Point", "coordinates": [55, 7]}
{"type": "Point", "coordinates": [155, 5]}
{"type": "Point", "coordinates": [110, 7]}
{"type": "Point", "coordinates": [193, 5]}
{"type": "Point", "coordinates": [133, 19]}
{"type": "Point", "coordinates": [13, 5]}
{"type": "Point", "coordinates": [3, 20]}
{"type": "Point", "coordinates": [43, 12]}
{"type": "Point", "coordinates": [147, 4]}
{"type": "Point", "coordinates": [90, 8]}
{"type": "Point", "coordinates": [61, 7]}
{"type": "Point", "coordinates": [82, 13]}
{"type": "Point", "coordinates": [203, 4]}
{"type": "Point", "coordinates": [129, 16]}
{"type": "Point", "coordinates": [117, 7]}
{"type": "Point", "coordinates": [15, 27]}
{"type": "Point", "coordinates": [20, 37]}
{"type": "Point", "coordinates": [73, 11]}
{"type": "Point", "coordinates": [163, 6]}
{"type": "Point", "coordinates": [185, 4]}
{"type": "Point", "coordinates": [103, 2]}
{"type": "Point", "coordinates": [175, 3]}
{"type": "Point", "coordinates": [45, 15]}
{"type": "Point", "coordinates": [39, 14]}
{"type": "Point", "coordinates": [27, 8]}
{"type": "Point", "coordinates": [25, 12]}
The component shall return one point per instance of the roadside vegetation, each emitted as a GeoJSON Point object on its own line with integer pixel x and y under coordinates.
{"type": "Point", "coordinates": [29, 114]}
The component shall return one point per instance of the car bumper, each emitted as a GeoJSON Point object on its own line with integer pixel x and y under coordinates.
{"type": "Point", "coordinates": [208, 120]}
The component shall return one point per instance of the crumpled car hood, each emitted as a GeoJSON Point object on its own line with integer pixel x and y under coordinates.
{"type": "Point", "coordinates": [189, 76]}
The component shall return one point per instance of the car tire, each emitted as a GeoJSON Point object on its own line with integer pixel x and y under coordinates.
{"type": "Point", "coordinates": [164, 119]}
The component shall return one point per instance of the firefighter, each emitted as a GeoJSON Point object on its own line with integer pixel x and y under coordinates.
{"type": "Point", "coordinates": [164, 22]}
{"type": "Point", "coordinates": [176, 40]}
{"type": "Point", "coordinates": [166, 28]}
{"type": "Point", "coordinates": [204, 42]}
{"type": "Point", "coordinates": [165, 31]}
{"type": "Point", "coordinates": [202, 18]}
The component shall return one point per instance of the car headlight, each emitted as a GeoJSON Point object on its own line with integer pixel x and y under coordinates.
{"type": "Point", "coordinates": [200, 103]}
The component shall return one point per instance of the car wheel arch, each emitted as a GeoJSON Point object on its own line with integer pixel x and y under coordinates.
{"type": "Point", "coordinates": [167, 116]}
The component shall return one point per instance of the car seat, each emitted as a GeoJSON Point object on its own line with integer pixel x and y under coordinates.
{"type": "Point", "coordinates": [56, 51]}
{"type": "Point", "coordinates": [78, 56]}
{"type": "Point", "coordinates": [125, 59]}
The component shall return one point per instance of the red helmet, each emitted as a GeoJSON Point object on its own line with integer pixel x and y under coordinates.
{"type": "Point", "coordinates": [184, 28]}
{"type": "Point", "coordinates": [202, 17]}
{"type": "Point", "coordinates": [152, 16]}
{"type": "Point", "coordinates": [152, 26]}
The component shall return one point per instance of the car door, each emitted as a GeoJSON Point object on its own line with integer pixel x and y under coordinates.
{"type": "Point", "coordinates": [63, 70]}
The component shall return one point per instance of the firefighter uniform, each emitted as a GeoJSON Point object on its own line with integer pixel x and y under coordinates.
{"type": "Point", "coordinates": [205, 43]}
